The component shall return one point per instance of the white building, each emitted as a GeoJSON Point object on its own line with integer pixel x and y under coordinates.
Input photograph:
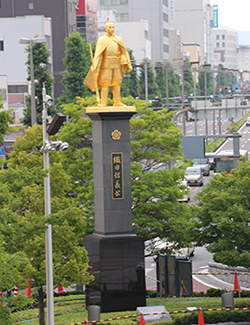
{"type": "Point", "coordinates": [192, 19]}
{"type": "Point", "coordinates": [156, 12]}
{"type": "Point", "coordinates": [13, 56]}
{"type": "Point", "coordinates": [244, 62]}
{"type": "Point", "coordinates": [226, 45]}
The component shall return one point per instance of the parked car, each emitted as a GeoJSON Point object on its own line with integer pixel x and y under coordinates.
{"type": "Point", "coordinates": [186, 196]}
{"type": "Point", "coordinates": [194, 176]}
{"type": "Point", "coordinates": [248, 121]}
{"type": "Point", "coordinates": [158, 245]}
{"type": "Point", "coordinates": [204, 164]}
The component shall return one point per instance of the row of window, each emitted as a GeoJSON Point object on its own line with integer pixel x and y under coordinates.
{"type": "Point", "coordinates": [113, 2]}
{"type": "Point", "coordinates": [218, 36]}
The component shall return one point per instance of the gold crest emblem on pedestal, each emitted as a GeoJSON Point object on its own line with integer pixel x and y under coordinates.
{"type": "Point", "coordinates": [116, 135]}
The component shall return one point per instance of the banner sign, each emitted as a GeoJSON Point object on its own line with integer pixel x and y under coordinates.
{"type": "Point", "coordinates": [215, 16]}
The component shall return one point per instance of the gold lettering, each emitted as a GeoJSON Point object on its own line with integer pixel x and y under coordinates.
{"type": "Point", "coordinates": [117, 184]}
{"type": "Point", "coordinates": [117, 175]}
{"type": "Point", "coordinates": [117, 193]}
{"type": "Point", "coordinates": [117, 159]}
{"type": "Point", "coordinates": [117, 167]}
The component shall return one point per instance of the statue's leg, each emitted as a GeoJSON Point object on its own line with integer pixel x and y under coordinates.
{"type": "Point", "coordinates": [117, 96]}
{"type": "Point", "coordinates": [104, 96]}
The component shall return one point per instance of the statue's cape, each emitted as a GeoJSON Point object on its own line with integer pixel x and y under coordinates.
{"type": "Point", "coordinates": [91, 80]}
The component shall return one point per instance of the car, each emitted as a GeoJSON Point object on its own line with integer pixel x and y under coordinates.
{"type": "Point", "coordinates": [248, 121]}
{"type": "Point", "coordinates": [158, 245]}
{"type": "Point", "coordinates": [186, 197]}
{"type": "Point", "coordinates": [204, 164]}
{"type": "Point", "coordinates": [194, 176]}
{"type": "Point", "coordinates": [211, 160]}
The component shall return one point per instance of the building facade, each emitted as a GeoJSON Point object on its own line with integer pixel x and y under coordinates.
{"type": "Point", "coordinates": [86, 19]}
{"type": "Point", "coordinates": [226, 44]}
{"type": "Point", "coordinates": [244, 62]}
{"type": "Point", "coordinates": [13, 57]}
{"type": "Point", "coordinates": [63, 22]}
{"type": "Point", "coordinates": [156, 12]}
{"type": "Point", "coordinates": [192, 19]}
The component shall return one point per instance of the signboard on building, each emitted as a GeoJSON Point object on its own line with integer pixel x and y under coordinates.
{"type": "Point", "coordinates": [86, 7]}
{"type": "Point", "coordinates": [171, 11]}
{"type": "Point", "coordinates": [215, 16]}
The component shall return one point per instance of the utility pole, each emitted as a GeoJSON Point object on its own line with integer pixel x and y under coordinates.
{"type": "Point", "coordinates": [49, 256]}
{"type": "Point", "coordinates": [146, 80]}
{"type": "Point", "coordinates": [167, 86]}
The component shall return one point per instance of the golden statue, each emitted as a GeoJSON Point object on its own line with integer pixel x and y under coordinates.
{"type": "Point", "coordinates": [111, 60]}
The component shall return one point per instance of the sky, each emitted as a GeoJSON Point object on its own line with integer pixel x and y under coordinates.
{"type": "Point", "coordinates": [234, 14]}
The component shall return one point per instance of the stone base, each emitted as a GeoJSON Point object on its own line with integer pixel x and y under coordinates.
{"type": "Point", "coordinates": [110, 109]}
{"type": "Point", "coordinates": [117, 262]}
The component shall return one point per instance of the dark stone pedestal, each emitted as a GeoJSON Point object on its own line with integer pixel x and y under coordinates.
{"type": "Point", "coordinates": [117, 262]}
{"type": "Point", "coordinates": [116, 254]}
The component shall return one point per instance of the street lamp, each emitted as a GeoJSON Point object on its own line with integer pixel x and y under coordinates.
{"type": "Point", "coordinates": [32, 41]}
{"type": "Point", "coordinates": [46, 148]}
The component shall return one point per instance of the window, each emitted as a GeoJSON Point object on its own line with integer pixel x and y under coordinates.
{"type": "Point", "coordinates": [218, 44]}
{"type": "Point", "coordinates": [223, 36]}
{"type": "Point", "coordinates": [165, 17]}
{"type": "Point", "coordinates": [166, 48]}
{"type": "Point", "coordinates": [217, 36]}
{"type": "Point", "coordinates": [1, 46]}
{"type": "Point", "coordinates": [123, 2]}
{"type": "Point", "coordinates": [114, 2]}
{"type": "Point", "coordinates": [223, 44]}
{"type": "Point", "coordinates": [17, 89]}
{"type": "Point", "coordinates": [146, 34]}
{"type": "Point", "coordinates": [165, 32]}
{"type": "Point", "coordinates": [31, 5]}
{"type": "Point", "coordinates": [122, 17]}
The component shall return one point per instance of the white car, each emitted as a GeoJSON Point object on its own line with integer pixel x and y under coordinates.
{"type": "Point", "coordinates": [194, 176]}
{"type": "Point", "coordinates": [186, 197]}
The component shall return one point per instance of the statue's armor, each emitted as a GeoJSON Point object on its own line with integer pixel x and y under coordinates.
{"type": "Point", "coordinates": [111, 73]}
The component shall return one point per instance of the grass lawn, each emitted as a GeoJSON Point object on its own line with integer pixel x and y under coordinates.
{"type": "Point", "coordinates": [72, 309]}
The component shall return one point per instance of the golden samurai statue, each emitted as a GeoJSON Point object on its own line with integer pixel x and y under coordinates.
{"type": "Point", "coordinates": [111, 60]}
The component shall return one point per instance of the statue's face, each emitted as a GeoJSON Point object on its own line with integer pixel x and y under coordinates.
{"type": "Point", "coordinates": [110, 28]}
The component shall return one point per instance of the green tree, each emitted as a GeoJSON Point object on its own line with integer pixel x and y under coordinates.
{"type": "Point", "coordinates": [223, 215]}
{"type": "Point", "coordinates": [77, 61]}
{"type": "Point", "coordinates": [42, 75]}
{"type": "Point", "coordinates": [154, 140]}
{"type": "Point", "coordinates": [5, 118]}
{"type": "Point", "coordinates": [224, 80]}
{"type": "Point", "coordinates": [205, 74]}
{"type": "Point", "coordinates": [25, 180]}
{"type": "Point", "coordinates": [153, 89]}
{"type": "Point", "coordinates": [129, 85]}
{"type": "Point", "coordinates": [188, 77]}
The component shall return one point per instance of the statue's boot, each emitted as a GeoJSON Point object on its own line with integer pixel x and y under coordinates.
{"type": "Point", "coordinates": [104, 96]}
{"type": "Point", "coordinates": [117, 96]}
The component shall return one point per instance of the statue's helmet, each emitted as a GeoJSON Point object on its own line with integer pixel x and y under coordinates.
{"type": "Point", "coordinates": [108, 23]}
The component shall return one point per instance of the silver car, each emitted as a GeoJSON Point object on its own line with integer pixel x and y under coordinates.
{"type": "Point", "coordinates": [194, 176]}
{"type": "Point", "coordinates": [203, 164]}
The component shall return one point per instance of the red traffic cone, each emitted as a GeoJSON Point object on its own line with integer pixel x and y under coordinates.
{"type": "Point", "coordinates": [86, 322]}
{"type": "Point", "coordinates": [200, 318]}
{"type": "Point", "coordinates": [60, 290]}
{"type": "Point", "coordinates": [28, 290]}
{"type": "Point", "coordinates": [142, 320]}
{"type": "Point", "coordinates": [16, 292]}
{"type": "Point", "coordinates": [236, 282]}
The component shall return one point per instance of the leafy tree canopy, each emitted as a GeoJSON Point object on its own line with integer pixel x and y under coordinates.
{"type": "Point", "coordinates": [155, 140]}
{"type": "Point", "coordinates": [42, 75]}
{"type": "Point", "coordinates": [223, 215]}
{"type": "Point", "coordinates": [23, 182]}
